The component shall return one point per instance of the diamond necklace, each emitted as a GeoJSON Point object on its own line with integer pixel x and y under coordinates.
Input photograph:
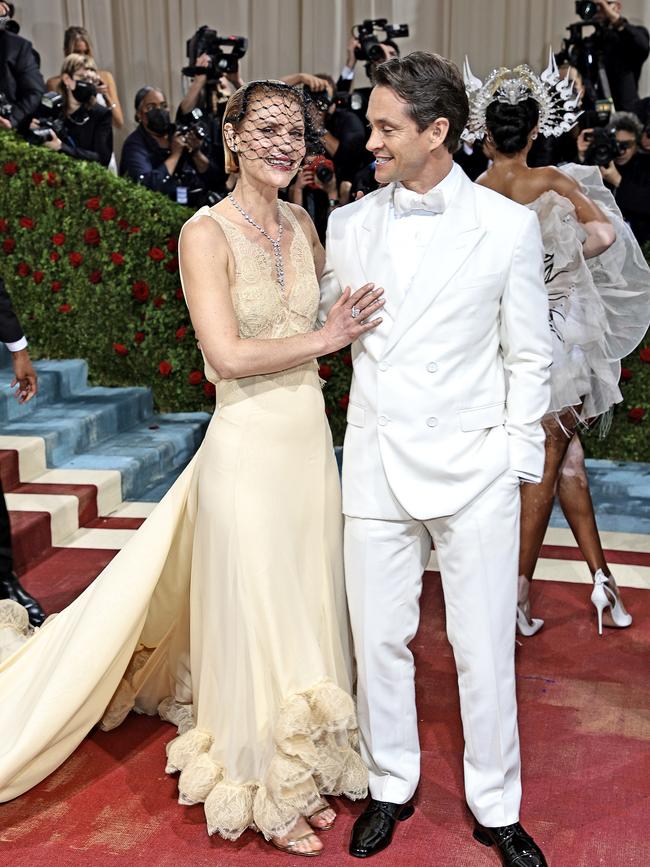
{"type": "Point", "coordinates": [275, 243]}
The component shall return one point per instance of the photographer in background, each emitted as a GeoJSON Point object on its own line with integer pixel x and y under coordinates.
{"type": "Point", "coordinates": [86, 131]}
{"type": "Point", "coordinates": [625, 48]}
{"type": "Point", "coordinates": [167, 159]}
{"type": "Point", "coordinates": [344, 135]}
{"type": "Point", "coordinates": [628, 174]}
{"type": "Point", "coordinates": [21, 82]}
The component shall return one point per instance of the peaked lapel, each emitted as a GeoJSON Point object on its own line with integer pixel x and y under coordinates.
{"type": "Point", "coordinates": [377, 261]}
{"type": "Point", "coordinates": [457, 234]}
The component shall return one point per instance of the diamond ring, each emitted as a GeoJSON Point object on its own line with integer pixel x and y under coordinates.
{"type": "Point", "coordinates": [354, 312]}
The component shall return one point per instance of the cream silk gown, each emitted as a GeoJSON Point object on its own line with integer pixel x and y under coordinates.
{"type": "Point", "coordinates": [226, 612]}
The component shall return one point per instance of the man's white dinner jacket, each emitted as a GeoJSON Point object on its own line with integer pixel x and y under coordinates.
{"type": "Point", "coordinates": [449, 391]}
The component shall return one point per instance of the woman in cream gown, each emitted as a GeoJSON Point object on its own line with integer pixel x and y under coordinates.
{"type": "Point", "coordinates": [226, 612]}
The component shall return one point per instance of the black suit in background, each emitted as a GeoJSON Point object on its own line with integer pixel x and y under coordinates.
{"type": "Point", "coordinates": [20, 78]}
{"type": "Point", "coordinates": [10, 587]}
{"type": "Point", "coordinates": [88, 134]}
{"type": "Point", "coordinates": [625, 50]}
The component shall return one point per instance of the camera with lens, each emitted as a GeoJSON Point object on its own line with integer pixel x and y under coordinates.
{"type": "Point", "coordinates": [50, 116]}
{"type": "Point", "coordinates": [194, 123]}
{"type": "Point", "coordinates": [7, 21]}
{"type": "Point", "coordinates": [320, 98]}
{"type": "Point", "coordinates": [586, 9]}
{"type": "Point", "coordinates": [348, 101]}
{"type": "Point", "coordinates": [5, 106]}
{"type": "Point", "coordinates": [208, 41]}
{"type": "Point", "coordinates": [603, 147]}
{"type": "Point", "coordinates": [323, 169]}
{"type": "Point", "coordinates": [370, 46]}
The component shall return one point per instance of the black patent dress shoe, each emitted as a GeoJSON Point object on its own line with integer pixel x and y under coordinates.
{"type": "Point", "coordinates": [516, 847]}
{"type": "Point", "coordinates": [11, 588]}
{"type": "Point", "coordinates": [373, 830]}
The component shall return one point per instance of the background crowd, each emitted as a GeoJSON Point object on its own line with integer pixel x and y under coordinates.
{"type": "Point", "coordinates": [177, 150]}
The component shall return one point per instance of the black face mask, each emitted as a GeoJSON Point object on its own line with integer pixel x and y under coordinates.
{"type": "Point", "coordinates": [84, 91]}
{"type": "Point", "coordinates": [158, 121]}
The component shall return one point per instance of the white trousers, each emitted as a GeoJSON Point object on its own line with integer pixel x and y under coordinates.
{"type": "Point", "coordinates": [477, 550]}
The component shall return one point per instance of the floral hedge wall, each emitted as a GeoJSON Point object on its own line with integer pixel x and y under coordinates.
{"type": "Point", "coordinates": [91, 263]}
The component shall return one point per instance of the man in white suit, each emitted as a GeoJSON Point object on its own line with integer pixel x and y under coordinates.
{"type": "Point", "coordinates": [443, 423]}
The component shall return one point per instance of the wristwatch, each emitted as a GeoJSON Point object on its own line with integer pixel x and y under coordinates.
{"type": "Point", "coordinates": [333, 202]}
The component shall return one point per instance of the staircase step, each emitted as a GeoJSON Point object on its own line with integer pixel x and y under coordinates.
{"type": "Point", "coordinates": [56, 380]}
{"type": "Point", "coordinates": [146, 453]}
{"type": "Point", "coordinates": [63, 510]}
{"type": "Point", "coordinates": [82, 421]}
{"type": "Point", "coordinates": [31, 539]}
{"type": "Point", "coordinates": [23, 459]}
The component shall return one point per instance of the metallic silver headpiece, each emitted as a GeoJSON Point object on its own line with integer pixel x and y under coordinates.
{"type": "Point", "coordinates": [557, 98]}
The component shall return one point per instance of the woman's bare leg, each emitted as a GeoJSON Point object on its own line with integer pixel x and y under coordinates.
{"type": "Point", "coordinates": [537, 501]}
{"type": "Point", "coordinates": [576, 503]}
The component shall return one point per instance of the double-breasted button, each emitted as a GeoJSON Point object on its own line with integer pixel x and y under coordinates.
{"type": "Point", "coordinates": [432, 422]}
{"type": "Point", "coordinates": [383, 365]}
{"type": "Point", "coordinates": [382, 420]}
{"type": "Point", "coordinates": [432, 367]}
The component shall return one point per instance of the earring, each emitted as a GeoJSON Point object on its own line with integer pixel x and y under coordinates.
{"type": "Point", "coordinates": [534, 136]}
{"type": "Point", "coordinates": [233, 148]}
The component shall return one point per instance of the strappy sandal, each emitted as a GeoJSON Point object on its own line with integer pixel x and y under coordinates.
{"type": "Point", "coordinates": [317, 812]}
{"type": "Point", "coordinates": [290, 845]}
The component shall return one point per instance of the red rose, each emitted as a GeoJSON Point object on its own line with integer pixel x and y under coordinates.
{"type": "Point", "coordinates": [117, 258]}
{"type": "Point", "coordinates": [123, 224]}
{"type": "Point", "coordinates": [181, 332]}
{"type": "Point", "coordinates": [38, 276]}
{"type": "Point", "coordinates": [51, 179]}
{"type": "Point", "coordinates": [75, 259]}
{"type": "Point", "coordinates": [171, 266]}
{"type": "Point", "coordinates": [4, 227]}
{"type": "Point", "coordinates": [644, 354]}
{"type": "Point", "coordinates": [140, 291]}
{"type": "Point", "coordinates": [108, 213]}
{"type": "Point", "coordinates": [8, 245]}
{"type": "Point", "coordinates": [120, 349]}
{"type": "Point", "coordinates": [344, 401]}
{"type": "Point", "coordinates": [209, 390]}
{"type": "Point", "coordinates": [179, 293]}
{"type": "Point", "coordinates": [23, 269]}
{"type": "Point", "coordinates": [325, 371]}
{"type": "Point", "coordinates": [164, 368]}
{"type": "Point", "coordinates": [59, 239]}
{"type": "Point", "coordinates": [626, 374]}
{"type": "Point", "coordinates": [172, 245]}
{"type": "Point", "coordinates": [26, 222]}
{"type": "Point", "coordinates": [156, 254]}
{"type": "Point", "coordinates": [54, 256]}
{"type": "Point", "coordinates": [138, 337]}
{"type": "Point", "coordinates": [347, 359]}
{"type": "Point", "coordinates": [59, 203]}
{"type": "Point", "coordinates": [10, 168]}
{"type": "Point", "coordinates": [91, 237]}
{"type": "Point", "coordinates": [93, 204]}
{"type": "Point", "coordinates": [95, 277]}
{"type": "Point", "coordinates": [195, 377]}
{"type": "Point", "coordinates": [37, 177]}
{"type": "Point", "coordinates": [64, 308]}
{"type": "Point", "coordinates": [158, 301]}
{"type": "Point", "coordinates": [134, 230]}
{"type": "Point", "coordinates": [636, 414]}
{"type": "Point", "coordinates": [56, 286]}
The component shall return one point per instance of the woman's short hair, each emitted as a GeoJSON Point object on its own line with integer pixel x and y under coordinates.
{"type": "Point", "coordinates": [510, 125]}
{"type": "Point", "coordinates": [237, 108]}
{"type": "Point", "coordinates": [70, 37]}
{"type": "Point", "coordinates": [432, 86]}
{"type": "Point", "coordinates": [73, 63]}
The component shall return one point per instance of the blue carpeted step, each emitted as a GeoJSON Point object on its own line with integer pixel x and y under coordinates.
{"type": "Point", "coordinates": [56, 380]}
{"type": "Point", "coordinates": [81, 421]}
{"type": "Point", "coordinates": [147, 455]}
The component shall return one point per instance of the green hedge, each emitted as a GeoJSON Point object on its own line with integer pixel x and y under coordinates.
{"type": "Point", "coordinates": [90, 261]}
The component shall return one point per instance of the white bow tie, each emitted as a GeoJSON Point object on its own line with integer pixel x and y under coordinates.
{"type": "Point", "coordinates": [406, 201]}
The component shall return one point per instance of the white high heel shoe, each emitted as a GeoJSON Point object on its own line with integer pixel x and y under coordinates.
{"type": "Point", "coordinates": [526, 625]}
{"type": "Point", "coordinates": [603, 597]}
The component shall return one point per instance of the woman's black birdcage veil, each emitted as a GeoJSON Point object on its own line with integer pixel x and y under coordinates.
{"type": "Point", "coordinates": [274, 95]}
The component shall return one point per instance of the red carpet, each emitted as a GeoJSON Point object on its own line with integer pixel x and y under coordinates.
{"type": "Point", "coordinates": [585, 727]}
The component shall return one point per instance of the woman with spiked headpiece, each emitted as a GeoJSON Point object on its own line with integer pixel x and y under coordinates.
{"type": "Point", "coordinates": [598, 287]}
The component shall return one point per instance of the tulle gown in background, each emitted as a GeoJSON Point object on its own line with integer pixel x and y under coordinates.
{"type": "Point", "coordinates": [226, 611]}
{"type": "Point", "coordinates": [599, 307]}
